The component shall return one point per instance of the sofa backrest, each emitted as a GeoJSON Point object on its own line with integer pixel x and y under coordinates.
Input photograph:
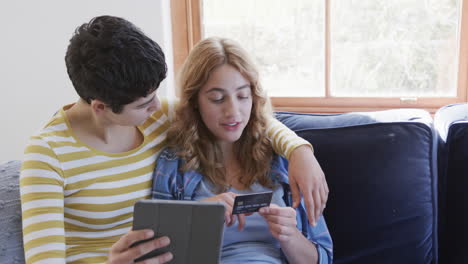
{"type": "Point", "coordinates": [452, 123]}
{"type": "Point", "coordinates": [11, 240]}
{"type": "Point", "coordinates": [381, 170]}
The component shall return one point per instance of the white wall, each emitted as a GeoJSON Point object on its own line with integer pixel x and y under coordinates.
{"type": "Point", "coordinates": [33, 40]}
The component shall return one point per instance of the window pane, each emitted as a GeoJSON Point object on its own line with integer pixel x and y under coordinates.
{"type": "Point", "coordinates": [394, 48]}
{"type": "Point", "coordinates": [285, 38]}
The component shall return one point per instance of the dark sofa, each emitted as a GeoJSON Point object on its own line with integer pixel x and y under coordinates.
{"type": "Point", "coordinates": [381, 168]}
{"type": "Point", "coordinates": [452, 124]}
{"type": "Point", "coordinates": [387, 203]}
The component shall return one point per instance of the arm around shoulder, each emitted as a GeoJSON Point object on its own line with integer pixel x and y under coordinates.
{"type": "Point", "coordinates": [284, 140]}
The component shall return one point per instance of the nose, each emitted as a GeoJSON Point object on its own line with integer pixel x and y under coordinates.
{"type": "Point", "coordinates": [231, 108]}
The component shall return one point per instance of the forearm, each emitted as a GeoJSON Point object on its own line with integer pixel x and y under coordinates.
{"type": "Point", "coordinates": [43, 224]}
{"type": "Point", "coordinates": [300, 250]}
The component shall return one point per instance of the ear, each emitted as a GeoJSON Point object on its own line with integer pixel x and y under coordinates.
{"type": "Point", "coordinates": [98, 106]}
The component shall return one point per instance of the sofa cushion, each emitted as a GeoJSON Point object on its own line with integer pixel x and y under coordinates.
{"type": "Point", "coordinates": [11, 240]}
{"type": "Point", "coordinates": [381, 171]}
{"type": "Point", "coordinates": [452, 123]}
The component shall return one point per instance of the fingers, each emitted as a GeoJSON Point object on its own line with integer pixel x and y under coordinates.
{"type": "Point", "coordinates": [327, 191]}
{"type": "Point", "coordinates": [275, 210]}
{"type": "Point", "coordinates": [231, 220]}
{"type": "Point", "coordinates": [123, 252]}
{"type": "Point", "coordinates": [324, 196]}
{"type": "Point", "coordinates": [296, 195]}
{"type": "Point", "coordinates": [164, 258]}
{"type": "Point", "coordinates": [241, 225]}
{"type": "Point", "coordinates": [131, 238]}
{"type": "Point", "coordinates": [310, 207]}
{"type": "Point", "coordinates": [225, 198]}
{"type": "Point", "coordinates": [318, 205]}
{"type": "Point", "coordinates": [228, 199]}
{"type": "Point", "coordinates": [281, 221]}
{"type": "Point", "coordinates": [144, 248]}
{"type": "Point", "coordinates": [227, 217]}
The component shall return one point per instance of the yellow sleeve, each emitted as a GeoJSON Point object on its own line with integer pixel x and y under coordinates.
{"type": "Point", "coordinates": [283, 139]}
{"type": "Point", "coordinates": [42, 198]}
{"type": "Point", "coordinates": [168, 107]}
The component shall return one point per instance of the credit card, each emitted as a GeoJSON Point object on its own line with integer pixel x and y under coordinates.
{"type": "Point", "coordinates": [249, 203]}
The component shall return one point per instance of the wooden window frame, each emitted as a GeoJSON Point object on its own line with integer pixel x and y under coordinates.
{"type": "Point", "coordinates": [187, 31]}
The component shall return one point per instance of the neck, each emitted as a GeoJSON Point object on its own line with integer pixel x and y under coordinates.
{"type": "Point", "coordinates": [232, 166]}
{"type": "Point", "coordinates": [83, 118]}
{"type": "Point", "coordinates": [227, 150]}
{"type": "Point", "coordinates": [100, 133]}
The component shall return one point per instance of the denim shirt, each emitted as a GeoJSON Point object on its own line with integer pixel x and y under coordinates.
{"type": "Point", "coordinates": [170, 182]}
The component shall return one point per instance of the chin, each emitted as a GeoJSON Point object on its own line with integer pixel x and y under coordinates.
{"type": "Point", "coordinates": [231, 139]}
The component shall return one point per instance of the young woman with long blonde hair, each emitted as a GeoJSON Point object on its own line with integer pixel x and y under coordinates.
{"type": "Point", "coordinates": [219, 148]}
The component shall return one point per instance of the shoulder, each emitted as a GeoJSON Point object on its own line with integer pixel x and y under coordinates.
{"type": "Point", "coordinates": [54, 133]}
{"type": "Point", "coordinates": [40, 157]}
{"type": "Point", "coordinates": [168, 154]}
{"type": "Point", "coordinates": [168, 161]}
{"type": "Point", "coordinates": [55, 124]}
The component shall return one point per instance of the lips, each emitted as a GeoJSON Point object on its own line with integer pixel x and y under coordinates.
{"type": "Point", "coordinates": [231, 126]}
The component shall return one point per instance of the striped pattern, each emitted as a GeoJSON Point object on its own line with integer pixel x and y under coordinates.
{"type": "Point", "coordinates": [284, 140]}
{"type": "Point", "coordinates": [77, 201]}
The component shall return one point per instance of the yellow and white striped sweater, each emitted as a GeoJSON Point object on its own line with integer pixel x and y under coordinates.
{"type": "Point", "coordinates": [77, 201]}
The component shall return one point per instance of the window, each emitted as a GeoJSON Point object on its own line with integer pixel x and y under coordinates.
{"type": "Point", "coordinates": [337, 55]}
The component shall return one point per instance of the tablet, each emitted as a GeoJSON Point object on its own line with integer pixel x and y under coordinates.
{"type": "Point", "coordinates": [195, 228]}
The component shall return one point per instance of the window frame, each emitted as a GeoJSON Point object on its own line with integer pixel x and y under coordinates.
{"type": "Point", "coordinates": [186, 32]}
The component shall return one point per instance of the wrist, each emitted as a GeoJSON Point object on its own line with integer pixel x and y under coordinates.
{"type": "Point", "coordinates": [300, 250]}
{"type": "Point", "coordinates": [292, 240]}
{"type": "Point", "coordinates": [301, 151]}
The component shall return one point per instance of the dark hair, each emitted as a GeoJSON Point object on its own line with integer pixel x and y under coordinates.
{"type": "Point", "coordinates": [111, 60]}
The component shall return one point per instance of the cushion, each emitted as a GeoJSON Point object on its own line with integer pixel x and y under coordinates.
{"type": "Point", "coordinates": [11, 240]}
{"type": "Point", "coordinates": [381, 170]}
{"type": "Point", "coordinates": [452, 123]}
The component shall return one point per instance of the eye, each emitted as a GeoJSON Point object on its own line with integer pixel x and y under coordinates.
{"type": "Point", "coordinates": [243, 96]}
{"type": "Point", "coordinates": [217, 100]}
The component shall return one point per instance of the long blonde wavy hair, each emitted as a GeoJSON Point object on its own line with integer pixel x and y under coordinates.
{"type": "Point", "coordinates": [190, 136]}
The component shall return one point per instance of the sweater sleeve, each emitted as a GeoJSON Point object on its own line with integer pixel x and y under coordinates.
{"type": "Point", "coordinates": [42, 205]}
{"type": "Point", "coordinates": [283, 139]}
{"type": "Point", "coordinates": [168, 107]}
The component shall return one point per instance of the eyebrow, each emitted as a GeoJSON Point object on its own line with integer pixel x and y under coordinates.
{"type": "Point", "coordinates": [216, 89]}
{"type": "Point", "coordinates": [147, 102]}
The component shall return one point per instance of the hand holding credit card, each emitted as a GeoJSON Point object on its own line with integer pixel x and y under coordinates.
{"type": "Point", "coordinates": [249, 203]}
